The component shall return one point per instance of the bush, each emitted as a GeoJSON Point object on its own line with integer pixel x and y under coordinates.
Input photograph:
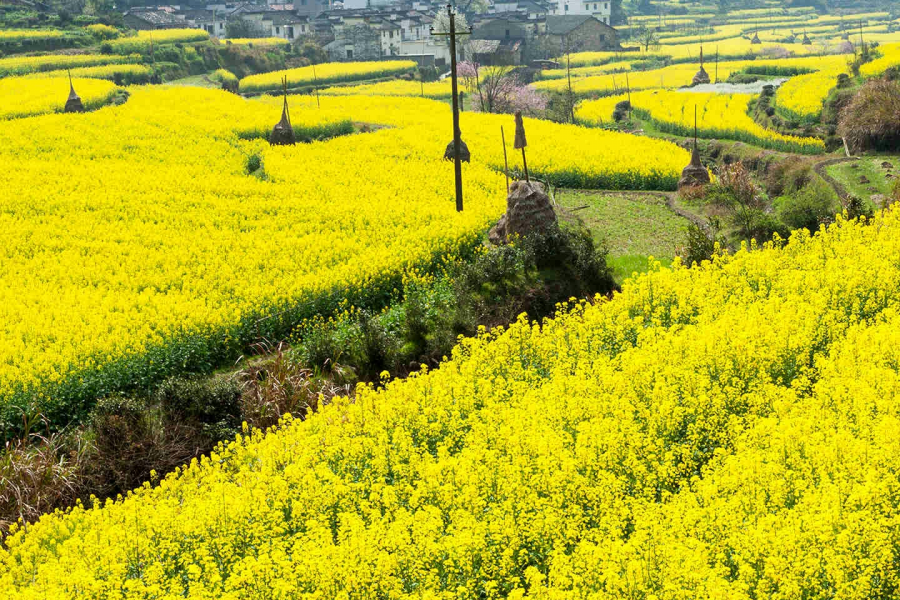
{"type": "Point", "coordinates": [869, 121]}
{"type": "Point", "coordinates": [214, 404]}
{"type": "Point", "coordinates": [621, 111]}
{"type": "Point", "coordinates": [701, 243]}
{"type": "Point", "coordinates": [807, 207]}
{"type": "Point", "coordinates": [788, 176]}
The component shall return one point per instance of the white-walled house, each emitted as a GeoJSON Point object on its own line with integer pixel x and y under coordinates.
{"type": "Point", "coordinates": [600, 9]}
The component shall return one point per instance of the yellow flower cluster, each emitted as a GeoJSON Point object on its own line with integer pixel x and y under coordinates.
{"type": "Point", "coordinates": [20, 35]}
{"type": "Point", "coordinates": [223, 75]}
{"type": "Point", "coordinates": [23, 96]}
{"type": "Point", "coordinates": [725, 432]}
{"type": "Point", "coordinates": [170, 36]}
{"type": "Point", "coordinates": [20, 65]}
{"type": "Point", "coordinates": [137, 244]}
{"type": "Point", "coordinates": [326, 73]}
{"type": "Point", "coordinates": [144, 39]}
{"type": "Point", "coordinates": [803, 96]}
{"type": "Point", "coordinates": [105, 32]}
{"type": "Point", "coordinates": [718, 116]}
{"type": "Point", "coordinates": [269, 41]}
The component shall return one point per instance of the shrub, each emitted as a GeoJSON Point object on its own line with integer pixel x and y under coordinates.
{"type": "Point", "coordinates": [214, 404]}
{"type": "Point", "coordinates": [869, 121]}
{"type": "Point", "coordinates": [788, 176]}
{"type": "Point", "coordinates": [701, 243]}
{"type": "Point", "coordinates": [621, 111]}
{"type": "Point", "coordinates": [736, 193]}
{"type": "Point", "coordinates": [130, 441]}
{"type": "Point", "coordinates": [281, 385]}
{"type": "Point", "coordinates": [807, 207]}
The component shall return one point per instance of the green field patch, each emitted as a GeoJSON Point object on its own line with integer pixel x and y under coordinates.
{"type": "Point", "coordinates": [633, 227]}
{"type": "Point", "coordinates": [868, 176]}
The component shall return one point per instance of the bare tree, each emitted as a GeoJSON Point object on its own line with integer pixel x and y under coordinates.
{"type": "Point", "coordinates": [647, 38]}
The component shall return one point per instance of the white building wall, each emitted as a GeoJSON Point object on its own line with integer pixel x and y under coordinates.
{"type": "Point", "coordinates": [602, 9]}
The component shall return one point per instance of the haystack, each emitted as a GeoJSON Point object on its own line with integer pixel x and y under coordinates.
{"type": "Point", "coordinates": [528, 210]}
{"type": "Point", "coordinates": [464, 155]}
{"type": "Point", "coordinates": [756, 39]}
{"type": "Point", "coordinates": [283, 133]}
{"type": "Point", "coordinates": [806, 40]}
{"type": "Point", "coordinates": [695, 173]}
{"type": "Point", "coordinates": [702, 76]}
{"type": "Point", "coordinates": [73, 102]}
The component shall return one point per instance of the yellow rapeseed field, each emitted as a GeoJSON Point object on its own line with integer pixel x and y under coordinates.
{"type": "Point", "coordinates": [25, 96]}
{"type": "Point", "coordinates": [111, 72]}
{"type": "Point", "coordinates": [718, 116]}
{"type": "Point", "coordinates": [269, 41]}
{"type": "Point", "coordinates": [145, 38]}
{"type": "Point", "coordinates": [890, 57]}
{"type": "Point", "coordinates": [397, 87]}
{"type": "Point", "coordinates": [18, 35]}
{"type": "Point", "coordinates": [20, 65]}
{"type": "Point", "coordinates": [726, 432]}
{"type": "Point", "coordinates": [326, 73]}
{"type": "Point", "coordinates": [803, 96]}
{"type": "Point", "coordinates": [137, 245]}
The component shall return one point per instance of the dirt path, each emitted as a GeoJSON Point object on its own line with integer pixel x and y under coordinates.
{"type": "Point", "coordinates": [821, 171]}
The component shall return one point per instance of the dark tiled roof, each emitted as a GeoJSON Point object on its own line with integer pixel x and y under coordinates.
{"type": "Point", "coordinates": [155, 17]}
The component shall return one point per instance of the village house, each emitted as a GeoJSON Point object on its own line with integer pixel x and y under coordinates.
{"type": "Point", "coordinates": [153, 18]}
{"type": "Point", "coordinates": [581, 33]}
{"type": "Point", "coordinates": [211, 21]}
{"type": "Point", "coordinates": [599, 9]}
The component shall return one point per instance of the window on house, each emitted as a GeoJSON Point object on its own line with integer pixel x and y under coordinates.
{"type": "Point", "coordinates": [221, 26]}
{"type": "Point", "coordinates": [349, 53]}
{"type": "Point", "coordinates": [507, 33]}
{"type": "Point", "coordinates": [602, 37]}
{"type": "Point", "coordinates": [290, 32]}
{"type": "Point", "coordinates": [278, 31]}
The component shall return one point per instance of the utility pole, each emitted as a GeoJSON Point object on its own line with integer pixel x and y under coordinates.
{"type": "Point", "coordinates": [422, 81]}
{"type": "Point", "coordinates": [457, 161]}
{"type": "Point", "coordinates": [569, 77]}
{"type": "Point", "coordinates": [316, 81]}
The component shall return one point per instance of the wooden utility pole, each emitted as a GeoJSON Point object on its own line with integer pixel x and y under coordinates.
{"type": "Point", "coordinates": [457, 162]}
{"type": "Point", "coordinates": [569, 77]}
{"type": "Point", "coordinates": [422, 81]}
{"type": "Point", "coordinates": [316, 82]}
{"type": "Point", "coordinates": [505, 159]}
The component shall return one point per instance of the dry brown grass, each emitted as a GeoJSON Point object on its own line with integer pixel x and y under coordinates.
{"type": "Point", "coordinates": [39, 473]}
{"type": "Point", "coordinates": [279, 385]}
{"type": "Point", "coordinates": [870, 121]}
